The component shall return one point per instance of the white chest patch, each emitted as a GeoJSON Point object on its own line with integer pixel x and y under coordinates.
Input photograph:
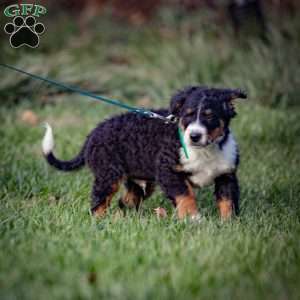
{"type": "Point", "coordinates": [205, 164]}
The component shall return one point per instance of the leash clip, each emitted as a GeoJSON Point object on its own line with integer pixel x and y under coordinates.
{"type": "Point", "coordinates": [154, 115]}
{"type": "Point", "coordinates": [171, 119]}
{"type": "Point", "coordinates": [168, 119]}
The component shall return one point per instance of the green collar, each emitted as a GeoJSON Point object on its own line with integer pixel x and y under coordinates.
{"type": "Point", "coordinates": [183, 145]}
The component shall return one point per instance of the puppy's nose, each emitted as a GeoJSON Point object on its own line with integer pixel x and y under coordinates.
{"type": "Point", "coordinates": [195, 136]}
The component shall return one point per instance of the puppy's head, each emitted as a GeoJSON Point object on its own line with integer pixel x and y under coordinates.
{"type": "Point", "coordinates": [204, 113]}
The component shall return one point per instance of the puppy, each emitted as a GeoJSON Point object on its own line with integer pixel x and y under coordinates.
{"type": "Point", "coordinates": [143, 152]}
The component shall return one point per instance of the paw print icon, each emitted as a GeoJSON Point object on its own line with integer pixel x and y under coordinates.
{"type": "Point", "coordinates": [24, 32]}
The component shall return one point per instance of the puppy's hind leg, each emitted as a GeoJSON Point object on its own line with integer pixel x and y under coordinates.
{"type": "Point", "coordinates": [135, 193]}
{"type": "Point", "coordinates": [102, 194]}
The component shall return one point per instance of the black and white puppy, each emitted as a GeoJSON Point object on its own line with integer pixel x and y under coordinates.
{"type": "Point", "coordinates": [143, 152]}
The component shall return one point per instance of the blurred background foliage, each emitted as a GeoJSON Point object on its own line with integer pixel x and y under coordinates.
{"type": "Point", "coordinates": [141, 51]}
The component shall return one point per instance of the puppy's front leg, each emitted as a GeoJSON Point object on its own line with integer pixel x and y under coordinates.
{"type": "Point", "coordinates": [174, 184]}
{"type": "Point", "coordinates": [227, 195]}
{"type": "Point", "coordinates": [180, 192]}
{"type": "Point", "coordinates": [186, 204]}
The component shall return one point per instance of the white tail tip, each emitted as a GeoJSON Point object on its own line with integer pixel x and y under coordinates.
{"type": "Point", "coordinates": [48, 140]}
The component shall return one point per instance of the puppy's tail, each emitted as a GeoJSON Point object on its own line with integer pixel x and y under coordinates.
{"type": "Point", "coordinates": [48, 146]}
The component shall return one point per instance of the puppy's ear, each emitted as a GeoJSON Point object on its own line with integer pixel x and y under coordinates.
{"type": "Point", "coordinates": [178, 100]}
{"type": "Point", "coordinates": [230, 98]}
{"type": "Point", "coordinates": [237, 94]}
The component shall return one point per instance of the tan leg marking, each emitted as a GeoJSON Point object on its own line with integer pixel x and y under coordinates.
{"type": "Point", "coordinates": [225, 206]}
{"type": "Point", "coordinates": [100, 211]}
{"type": "Point", "coordinates": [178, 168]}
{"type": "Point", "coordinates": [131, 200]}
{"type": "Point", "coordinates": [186, 204]}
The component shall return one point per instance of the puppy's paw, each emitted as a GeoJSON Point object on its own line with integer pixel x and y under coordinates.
{"type": "Point", "coordinates": [197, 219]}
{"type": "Point", "coordinates": [160, 212]}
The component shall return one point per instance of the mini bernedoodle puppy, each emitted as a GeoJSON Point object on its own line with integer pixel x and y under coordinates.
{"type": "Point", "coordinates": [143, 152]}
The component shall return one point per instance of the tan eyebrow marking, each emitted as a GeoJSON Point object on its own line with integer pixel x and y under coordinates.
{"type": "Point", "coordinates": [208, 111]}
{"type": "Point", "coordinates": [189, 110]}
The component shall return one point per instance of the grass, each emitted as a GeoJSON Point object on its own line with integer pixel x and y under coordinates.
{"type": "Point", "coordinates": [52, 249]}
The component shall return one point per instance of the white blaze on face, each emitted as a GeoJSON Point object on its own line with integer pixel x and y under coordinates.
{"type": "Point", "coordinates": [196, 128]}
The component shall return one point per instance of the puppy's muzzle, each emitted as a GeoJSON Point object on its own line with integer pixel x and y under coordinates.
{"type": "Point", "coordinates": [198, 139]}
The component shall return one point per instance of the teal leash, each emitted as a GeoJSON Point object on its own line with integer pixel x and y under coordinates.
{"type": "Point", "coordinates": [80, 91]}
{"type": "Point", "coordinates": [145, 112]}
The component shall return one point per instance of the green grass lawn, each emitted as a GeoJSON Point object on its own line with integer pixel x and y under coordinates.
{"type": "Point", "coordinates": [51, 248]}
